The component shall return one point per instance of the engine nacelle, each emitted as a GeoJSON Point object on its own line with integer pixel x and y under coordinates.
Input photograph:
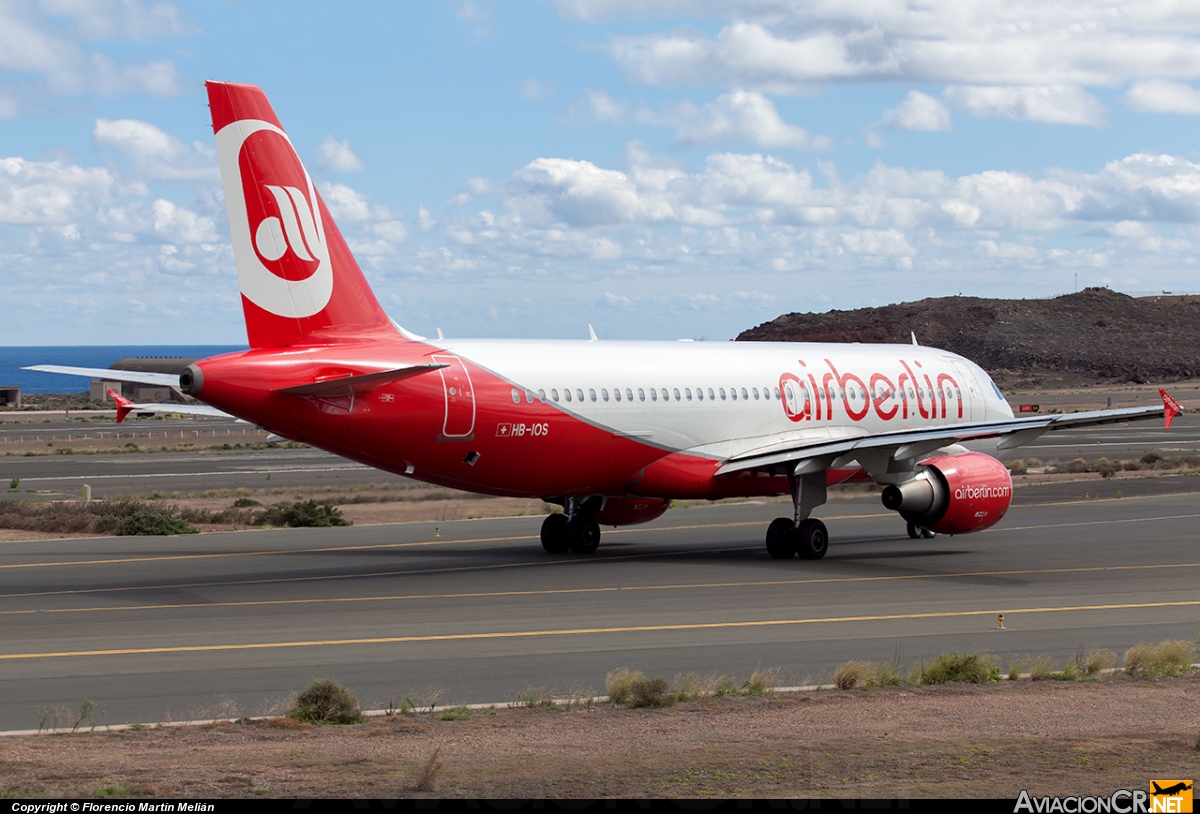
{"type": "Point", "coordinates": [629, 511]}
{"type": "Point", "coordinates": [953, 494]}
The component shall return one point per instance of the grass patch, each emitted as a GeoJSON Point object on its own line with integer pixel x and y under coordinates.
{"type": "Point", "coordinates": [853, 674]}
{"type": "Point", "coordinates": [1162, 659]}
{"type": "Point", "coordinates": [324, 702]}
{"type": "Point", "coordinates": [971, 668]}
{"type": "Point", "coordinates": [132, 517]}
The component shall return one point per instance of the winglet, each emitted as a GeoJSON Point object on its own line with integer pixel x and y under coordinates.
{"type": "Point", "coordinates": [124, 405]}
{"type": "Point", "coordinates": [913, 334]}
{"type": "Point", "coordinates": [591, 333]}
{"type": "Point", "coordinates": [1171, 407]}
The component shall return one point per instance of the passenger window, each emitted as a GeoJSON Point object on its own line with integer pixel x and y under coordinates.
{"type": "Point", "coordinates": [567, 393]}
{"type": "Point", "coordinates": [666, 396]}
{"type": "Point", "coordinates": [755, 393]}
{"type": "Point", "coordinates": [617, 393]}
{"type": "Point", "coordinates": [677, 398]}
{"type": "Point", "coordinates": [699, 394]}
{"type": "Point", "coordinates": [628, 394]}
{"type": "Point", "coordinates": [653, 394]}
{"type": "Point", "coordinates": [722, 391]}
{"type": "Point", "coordinates": [604, 393]}
{"type": "Point", "coordinates": [516, 396]}
{"type": "Point", "coordinates": [687, 392]}
{"type": "Point", "coordinates": [641, 394]}
{"type": "Point", "coordinates": [579, 394]}
{"type": "Point", "coordinates": [529, 396]}
{"type": "Point", "coordinates": [553, 394]}
{"type": "Point", "coordinates": [776, 393]}
{"type": "Point", "coordinates": [733, 393]}
{"type": "Point", "coordinates": [541, 394]}
{"type": "Point", "coordinates": [591, 393]}
{"type": "Point", "coordinates": [745, 395]}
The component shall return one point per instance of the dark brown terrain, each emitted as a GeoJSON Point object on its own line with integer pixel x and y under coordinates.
{"type": "Point", "coordinates": [1094, 337]}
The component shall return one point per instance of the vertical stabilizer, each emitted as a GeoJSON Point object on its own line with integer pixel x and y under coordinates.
{"type": "Point", "coordinates": [299, 281]}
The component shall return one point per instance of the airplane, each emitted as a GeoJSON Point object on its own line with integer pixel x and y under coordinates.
{"type": "Point", "coordinates": [612, 431]}
{"type": "Point", "coordinates": [1171, 791]}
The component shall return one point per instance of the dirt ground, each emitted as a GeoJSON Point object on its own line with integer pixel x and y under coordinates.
{"type": "Point", "coordinates": [1050, 738]}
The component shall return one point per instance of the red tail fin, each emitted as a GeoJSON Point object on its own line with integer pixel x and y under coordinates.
{"type": "Point", "coordinates": [1171, 407]}
{"type": "Point", "coordinates": [299, 281]}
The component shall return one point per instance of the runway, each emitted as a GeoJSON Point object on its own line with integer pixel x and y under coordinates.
{"type": "Point", "coordinates": [136, 474]}
{"type": "Point", "coordinates": [158, 628]}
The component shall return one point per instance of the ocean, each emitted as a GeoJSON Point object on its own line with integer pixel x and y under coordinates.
{"type": "Point", "coordinates": [13, 359]}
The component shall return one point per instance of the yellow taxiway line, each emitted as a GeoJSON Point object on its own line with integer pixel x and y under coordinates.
{"type": "Point", "coordinates": [587, 631]}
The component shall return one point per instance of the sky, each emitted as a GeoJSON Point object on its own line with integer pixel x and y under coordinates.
{"type": "Point", "coordinates": [660, 170]}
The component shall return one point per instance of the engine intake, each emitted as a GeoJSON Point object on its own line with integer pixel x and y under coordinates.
{"type": "Point", "coordinates": [953, 494]}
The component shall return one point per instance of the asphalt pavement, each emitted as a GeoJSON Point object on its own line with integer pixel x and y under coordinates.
{"type": "Point", "coordinates": [152, 629]}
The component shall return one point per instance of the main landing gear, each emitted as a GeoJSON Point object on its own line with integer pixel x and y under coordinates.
{"type": "Point", "coordinates": [800, 534]}
{"type": "Point", "coordinates": [575, 530]}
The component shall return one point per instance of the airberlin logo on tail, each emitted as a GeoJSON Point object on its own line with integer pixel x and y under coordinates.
{"type": "Point", "coordinates": [278, 237]}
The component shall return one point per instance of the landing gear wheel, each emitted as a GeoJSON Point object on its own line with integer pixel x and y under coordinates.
{"type": "Point", "coordinates": [812, 540]}
{"type": "Point", "coordinates": [781, 539]}
{"type": "Point", "coordinates": [928, 534]}
{"type": "Point", "coordinates": [554, 534]}
{"type": "Point", "coordinates": [584, 536]}
{"type": "Point", "coordinates": [913, 531]}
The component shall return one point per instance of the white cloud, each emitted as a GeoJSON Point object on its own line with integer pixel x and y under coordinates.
{"type": "Point", "coordinates": [425, 221]}
{"type": "Point", "coordinates": [1025, 59]}
{"type": "Point", "coordinates": [604, 108]}
{"type": "Point", "coordinates": [156, 154]}
{"type": "Point", "coordinates": [337, 156]}
{"type": "Point", "coordinates": [348, 204]}
{"type": "Point", "coordinates": [119, 19]}
{"type": "Point", "coordinates": [737, 116]}
{"type": "Point", "coordinates": [33, 192]}
{"type": "Point", "coordinates": [1058, 104]}
{"type": "Point", "coordinates": [1157, 96]}
{"type": "Point", "coordinates": [181, 225]}
{"type": "Point", "coordinates": [535, 91]}
{"type": "Point", "coordinates": [918, 111]}
{"type": "Point", "coordinates": [31, 43]}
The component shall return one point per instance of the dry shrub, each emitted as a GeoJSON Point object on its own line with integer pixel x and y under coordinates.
{"type": "Point", "coordinates": [619, 684]}
{"type": "Point", "coordinates": [1163, 659]}
{"type": "Point", "coordinates": [427, 777]}
{"type": "Point", "coordinates": [1095, 661]}
{"type": "Point", "coordinates": [853, 674]}
{"type": "Point", "coordinates": [324, 702]}
{"type": "Point", "coordinates": [761, 682]}
{"type": "Point", "coordinates": [1040, 668]}
{"type": "Point", "coordinates": [887, 675]}
{"type": "Point", "coordinates": [973, 668]}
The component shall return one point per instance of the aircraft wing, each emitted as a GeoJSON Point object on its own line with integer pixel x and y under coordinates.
{"type": "Point", "coordinates": [133, 376]}
{"type": "Point", "coordinates": [905, 445]}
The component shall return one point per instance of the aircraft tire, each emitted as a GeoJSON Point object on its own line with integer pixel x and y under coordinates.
{"type": "Point", "coordinates": [584, 536]}
{"type": "Point", "coordinates": [554, 534]}
{"type": "Point", "coordinates": [781, 540]}
{"type": "Point", "coordinates": [928, 534]}
{"type": "Point", "coordinates": [913, 532]}
{"type": "Point", "coordinates": [812, 540]}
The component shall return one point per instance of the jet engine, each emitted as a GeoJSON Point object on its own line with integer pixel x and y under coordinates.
{"type": "Point", "coordinates": [628, 511]}
{"type": "Point", "coordinates": [953, 494]}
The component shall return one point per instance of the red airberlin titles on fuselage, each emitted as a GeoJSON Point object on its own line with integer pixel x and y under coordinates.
{"type": "Point", "coordinates": [806, 397]}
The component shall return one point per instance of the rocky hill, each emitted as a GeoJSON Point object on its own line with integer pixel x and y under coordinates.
{"type": "Point", "coordinates": [1096, 336]}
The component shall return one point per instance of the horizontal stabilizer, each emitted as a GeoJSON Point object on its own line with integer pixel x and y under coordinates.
{"type": "Point", "coordinates": [358, 385]}
{"type": "Point", "coordinates": [108, 375]}
{"type": "Point", "coordinates": [125, 407]}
